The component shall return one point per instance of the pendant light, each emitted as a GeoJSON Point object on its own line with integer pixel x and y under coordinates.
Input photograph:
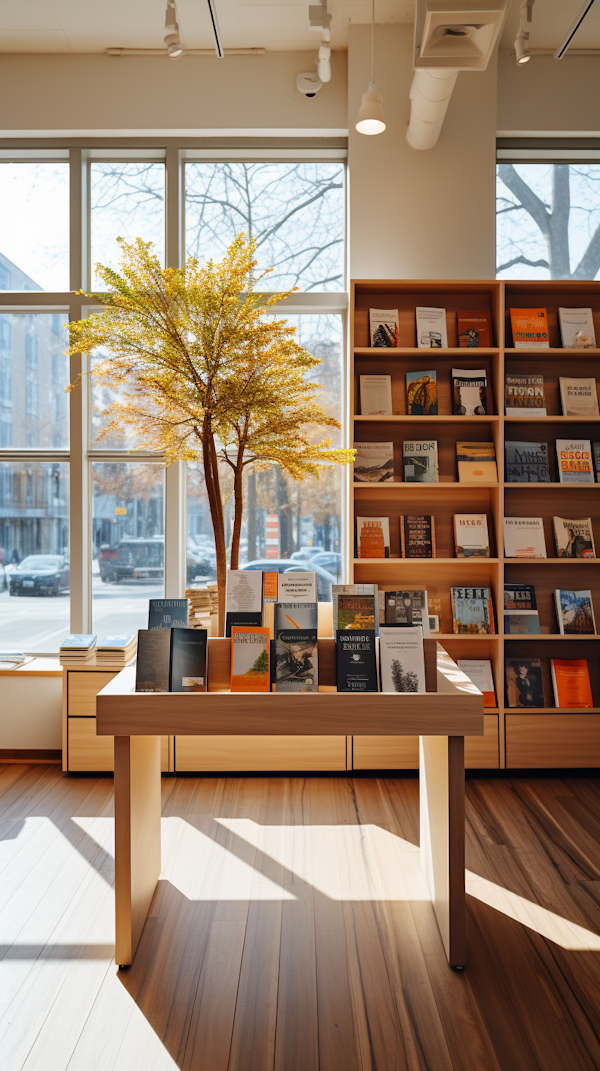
{"type": "Point", "coordinates": [370, 118]}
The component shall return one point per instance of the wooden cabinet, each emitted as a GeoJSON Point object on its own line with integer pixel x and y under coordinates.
{"type": "Point", "coordinates": [233, 753]}
{"type": "Point", "coordinates": [402, 752]}
{"type": "Point", "coordinates": [543, 741]}
{"type": "Point", "coordinates": [86, 751]}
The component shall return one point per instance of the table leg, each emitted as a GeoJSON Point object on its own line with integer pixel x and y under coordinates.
{"type": "Point", "coordinates": [442, 808]}
{"type": "Point", "coordinates": [137, 838]}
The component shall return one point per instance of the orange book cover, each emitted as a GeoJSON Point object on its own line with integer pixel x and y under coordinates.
{"type": "Point", "coordinates": [474, 328]}
{"type": "Point", "coordinates": [529, 329]}
{"type": "Point", "coordinates": [250, 659]}
{"type": "Point", "coordinates": [571, 680]}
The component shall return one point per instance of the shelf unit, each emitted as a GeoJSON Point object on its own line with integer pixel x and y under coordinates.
{"type": "Point", "coordinates": [544, 738]}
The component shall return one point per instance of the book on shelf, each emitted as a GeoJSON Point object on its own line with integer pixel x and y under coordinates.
{"type": "Point", "coordinates": [526, 462]}
{"type": "Point", "coordinates": [519, 598]}
{"type": "Point", "coordinates": [417, 537]}
{"type": "Point", "coordinates": [373, 537]}
{"type": "Point", "coordinates": [384, 328]}
{"type": "Point", "coordinates": [579, 397]}
{"type": "Point", "coordinates": [376, 395]}
{"type": "Point", "coordinates": [421, 393]}
{"type": "Point", "coordinates": [431, 328]}
{"type": "Point", "coordinates": [469, 391]}
{"type": "Point", "coordinates": [401, 659]}
{"type": "Point", "coordinates": [244, 591]}
{"type": "Point", "coordinates": [574, 461]}
{"type": "Point", "coordinates": [250, 660]}
{"type": "Point", "coordinates": [300, 586]}
{"type": "Point", "coordinates": [529, 329]}
{"type": "Point", "coordinates": [577, 329]}
{"type": "Point", "coordinates": [153, 660]}
{"type": "Point", "coordinates": [356, 661]}
{"type": "Point", "coordinates": [524, 537]}
{"type": "Point", "coordinates": [407, 608]}
{"type": "Point", "coordinates": [476, 462]}
{"type": "Point", "coordinates": [524, 396]}
{"type": "Point", "coordinates": [356, 612]}
{"type": "Point", "coordinates": [524, 684]}
{"type": "Point", "coordinates": [434, 623]}
{"type": "Point", "coordinates": [596, 459]}
{"type": "Point", "coordinates": [373, 462]}
{"type": "Point", "coordinates": [479, 671]}
{"type": "Point", "coordinates": [575, 613]}
{"type": "Point", "coordinates": [522, 623]}
{"type": "Point", "coordinates": [474, 328]}
{"type": "Point", "coordinates": [472, 612]}
{"type": "Point", "coordinates": [188, 660]}
{"type": "Point", "coordinates": [289, 615]}
{"type": "Point", "coordinates": [420, 461]}
{"type": "Point", "coordinates": [471, 539]}
{"type": "Point", "coordinates": [370, 590]}
{"type": "Point", "coordinates": [241, 618]}
{"type": "Point", "coordinates": [270, 587]}
{"type": "Point", "coordinates": [571, 682]}
{"type": "Point", "coordinates": [167, 613]}
{"type": "Point", "coordinates": [296, 660]}
{"type": "Point", "coordinates": [574, 538]}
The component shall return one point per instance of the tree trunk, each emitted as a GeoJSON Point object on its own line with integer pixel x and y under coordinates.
{"type": "Point", "coordinates": [251, 514]}
{"type": "Point", "coordinates": [238, 499]}
{"type": "Point", "coordinates": [213, 490]}
{"type": "Point", "coordinates": [558, 239]}
{"type": "Point", "coordinates": [283, 511]}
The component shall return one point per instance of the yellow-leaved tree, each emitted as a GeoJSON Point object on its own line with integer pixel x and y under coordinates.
{"type": "Point", "coordinates": [206, 372]}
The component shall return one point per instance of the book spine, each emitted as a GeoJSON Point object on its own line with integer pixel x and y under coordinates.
{"type": "Point", "coordinates": [402, 537]}
{"type": "Point", "coordinates": [433, 545]}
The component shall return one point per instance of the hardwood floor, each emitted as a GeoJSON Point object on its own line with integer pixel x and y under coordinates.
{"type": "Point", "coordinates": [291, 929]}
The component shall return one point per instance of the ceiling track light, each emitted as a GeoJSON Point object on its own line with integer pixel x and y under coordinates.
{"type": "Point", "coordinates": [370, 118]}
{"type": "Point", "coordinates": [573, 30]}
{"type": "Point", "coordinates": [172, 36]}
{"type": "Point", "coordinates": [522, 50]}
{"type": "Point", "coordinates": [212, 10]}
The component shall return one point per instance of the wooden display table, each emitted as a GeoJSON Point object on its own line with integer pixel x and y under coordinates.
{"type": "Point", "coordinates": [451, 709]}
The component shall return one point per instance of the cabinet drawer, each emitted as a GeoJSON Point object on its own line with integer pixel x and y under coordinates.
{"type": "Point", "coordinates": [86, 750]}
{"type": "Point", "coordinates": [547, 740]}
{"type": "Point", "coordinates": [201, 753]}
{"type": "Point", "coordinates": [402, 752]}
{"type": "Point", "coordinates": [82, 689]}
{"type": "Point", "coordinates": [483, 752]}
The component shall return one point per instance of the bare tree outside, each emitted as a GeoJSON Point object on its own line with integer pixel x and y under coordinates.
{"type": "Point", "coordinates": [548, 221]}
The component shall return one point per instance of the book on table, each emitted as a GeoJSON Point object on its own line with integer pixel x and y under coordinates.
{"type": "Point", "coordinates": [376, 395]}
{"type": "Point", "coordinates": [370, 608]}
{"type": "Point", "coordinates": [374, 462]}
{"type": "Point", "coordinates": [117, 648]}
{"type": "Point", "coordinates": [474, 328]}
{"type": "Point", "coordinates": [471, 539]}
{"type": "Point", "coordinates": [476, 462]}
{"type": "Point", "coordinates": [296, 660]}
{"type": "Point", "coordinates": [469, 391]}
{"type": "Point", "coordinates": [577, 329]}
{"type": "Point", "coordinates": [526, 462]}
{"type": "Point", "coordinates": [524, 395]}
{"type": "Point", "coordinates": [571, 682]}
{"type": "Point", "coordinates": [384, 329]}
{"type": "Point", "coordinates": [479, 671]}
{"type": "Point", "coordinates": [297, 586]}
{"type": "Point", "coordinates": [290, 615]}
{"type": "Point", "coordinates": [76, 648]}
{"type": "Point", "coordinates": [188, 670]}
{"type": "Point", "coordinates": [579, 397]}
{"type": "Point", "coordinates": [356, 612]}
{"type": "Point", "coordinates": [421, 393]}
{"type": "Point", "coordinates": [401, 659]}
{"type": "Point", "coordinates": [153, 660]}
{"type": "Point", "coordinates": [524, 682]}
{"type": "Point", "coordinates": [250, 660]}
{"type": "Point", "coordinates": [242, 618]}
{"type": "Point", "coordinates": [420, 461]}
{"type": "Point", "coordinates": [530, 329]}
{"type": "Point", "coordinates": [356, 661]}
{"type": "Point", "coordinates": [524, 537]}
{"type": "Point", "coordinates": [575, 613]}
{"type": "Point", "coordinates": [167, 613]}
{"type": "Point", "coordinates": [407, 608]}
{"type": "Point", "coordinates": [244, 591]}
{"type": "Point", "coordinates": [574, 461]}
{"type": "Point", "coordinates": [432, 332]}
{"type": "Point", "coordinates": [373, 537]}
{"type": "Point", "coordinates": [472, 611]}
{"type": "Point", "coordinates": [417, 537]}
{"type": "Point", "coordinates": [574, 538]}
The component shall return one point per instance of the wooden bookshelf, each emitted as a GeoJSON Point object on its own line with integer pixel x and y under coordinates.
{"type": "Point", "coordinates": [517, 738]}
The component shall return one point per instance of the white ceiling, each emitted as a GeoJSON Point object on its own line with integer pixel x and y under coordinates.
{"type": "Point", "coordinates": [278, 25]}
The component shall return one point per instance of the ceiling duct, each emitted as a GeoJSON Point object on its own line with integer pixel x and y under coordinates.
{"type": "Point", "coordinates": [450, 36]}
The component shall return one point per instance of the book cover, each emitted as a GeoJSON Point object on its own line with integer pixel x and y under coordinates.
{"type": "Point", "coordinates": [244, 591]}
{"type": "Point", "coordinates": [79, 641]}
{"type": "Point", "coordinates": [167, 613]}
{"type": "Point", "coordinates": [297, 586]}
{"type": "Point", "coordinates": [296, 660]}
{"type": "Point", "coordinates": [383, 328]}
{"type": "Point", "coordinates": [529, 329]}
{"type": "Point", "coordinates": [250, 660]}
{"type": "Point", "coordinates": [373, 537]}
{"type": "Point", "coordinates": [471, 539]}
{"type": "Point", "coordinates": [574, 461]}
{"type": "Point", "coordinates": [469, 391]}
{"type": "Point", "coordinates": [476, 462]}
{"type": "Point", "coordinates": [407, 608]}
{"type": "Point", "coordinates": [236, 619]}
{"type": "Point", "coordinates": [524, 396]}
{"type": "Point", "coordinates": [524, 685]}
{"type": "Point", "coordinates": [519, 597]}
{"type": "Point", "coordinates": [472, 611]}
{"type": "Point", "coordinates": [574, 538]}
{"type": "Point", "coordinates": [596, 457]}
{"type": "Point", "coordinates": [526, 462]}
{"type": "Point", "coordinates": [270, 587]}
{"type": "Point", "coordinates": [479, 670]}
{"type": "Point", "coordinates": [355, 589]}
{"type": "Point", "coordinates": [577, 329]}
{"type": "Point", "coordinates": [474, 328]}
{"type": "Point", "coordinates": [431, 328]}
{"type": "Point", "coordinates": [522, 624]}
{"type": "Point", "coordinates": [373, 462]}
{"type": "Point", "coordinates": [116, 641]}
{"type": "Point", "coordinates": [524, 537]}
{"type": "Point", "coordinates": [153, 654]}
{"type": "Point", "coordinates": [376, 395]}
{"type": "Point", "coordinates": [417, 537]}
{"type": "Point", "coordinates": [579, 397]}
{"type": "Point", "coordinates": [571, 682]}
{"type": "Point", "coordinates": [356, 661]}
{"type": "Point", "coordinates": [355, 612]}
{"type": "Point", "coordinates": [421, 393]}
{"type": "Point", "coordinates": [290, 615]}
{"type": "Point", "coordinates": [401, 659]}
{"type": "Point", "coordinates": [420, 461]}
{"type": "Point", "coordinates": [189, 653]}
{"type": "Point", "coordinates": [575, 613]}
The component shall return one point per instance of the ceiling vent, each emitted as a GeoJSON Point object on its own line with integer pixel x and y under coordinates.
{"type": "Point", "coordinates": [460, 35]}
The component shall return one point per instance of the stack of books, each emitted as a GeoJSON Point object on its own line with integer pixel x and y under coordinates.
{"type": "Point", "coordinates": [116, 649]}
{"type": "Point", "coordinates": [12, 659]}
{"type": "Point", "coordinates": [203, 607]}
{"type": "Point", "coordinates": [77, 648]}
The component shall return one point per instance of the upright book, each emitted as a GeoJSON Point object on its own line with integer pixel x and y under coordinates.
{"type": "Point", "coordinates": [479, 671]}
{"type": "Point", "coordinates": [167, 613]}
{"type": "Point", "coordinates": [574, 461]}
{"type": "Point", "coordinates": [296, 660]}
{"type": "Point", "coordinates": [373, 537]}
{"type": "Point", "coordinates": [530, 329]}
{"type": "Point", "coordinates": [297, 586]}
{"type": "Point", "coordinates": [579, 397]}
{"type": "Point", "coordinates": [577, 329]}
{"type": "Point", "coordinates": [474, 328]}
{"type": "Point", "coordinates": [596, 457]}
{"type": "Point", "coordinates": [420, 461]}
{"type": "Point", "coordinates": [519, 597]}
{"type": "Point", "coordinates": [431, 328]}
{"type": "Point", "coordinates": [476, 462]}
{"type": "Point", "coordinates": [524, 395]}
{"type": "Point", "coordinates": [188, 662]}
{"type": "Point", "coordinates": [574, 538]}
{"type": "Point", "coordinates": [383, 328]}
{"type": "Point", "coordinates": [406, 609]}
{"type": "Point", "coordinates": [250, 660]}
{"type": "Point", "coordinates": [356, 661]}
{"type": "Point", "coordinates": [524, 683]}
{"type": "Point", "coordinates": [356, 612]}
{"type": "Point", "coordinates": [376, 395]}
{"type": "Point", "coordinates": [526, 462]}
{"type": "Point", "coordinates": [374, 462]}
{"type": "Point", "coordinates": [521, 616]}
{"type": "Point", "coordinates": [469, 391]}
{"type": "Point", "coordinates": [571, 682]}
{"type": "Point", "coordinates": [472, 611]}
{"type": "Point", "coordinates": [153, 660]}
{"type": "Point", "coordinates": [421, 393]}
{"type": "Point", "coordinates": [337, 590]}
{"type": "Point", "coordinates": [471, 539]}
{"type": "Point", "coordinates": [401, 659]}
{"type": "Point", "coordinates": [244, 591]}
{"type": "Point", "coordinates": [575, 613]}
{"type": "Point", "coordinates": [524, 537]}
{"type": "Point", "coordinates": [290, 615]}
{"type": "Point", "coordinates": [417, 537]}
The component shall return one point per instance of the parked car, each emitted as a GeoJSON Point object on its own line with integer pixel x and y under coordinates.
{"type": "Point", "coordinates": [133, 559]}
{"type": "Point", "coordinates": [287, 565]}
{"type": "Point", "coordinates": [40, 574]}
{"type": "Point", "coordinates": [306, 553]}
{"type": "Point", "coordinates": [328, 559]}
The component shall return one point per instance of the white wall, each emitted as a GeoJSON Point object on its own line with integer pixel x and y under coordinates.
{"type": "Point", "coordinates": [549, 96]}
{"type": "Point", "coordinates": [30, 712]}
{"type": "Point", "coordinates": [420, 215]}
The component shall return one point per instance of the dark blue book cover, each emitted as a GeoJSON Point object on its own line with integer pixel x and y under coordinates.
{"type": "Point", "coordinates": [235, 618]}
{"type": "Point", "coordinates": [188, 666]}
{"type": "Point", "coordinates": [356, 661]}
{"type": "Point", "coordinates": [167, 613]}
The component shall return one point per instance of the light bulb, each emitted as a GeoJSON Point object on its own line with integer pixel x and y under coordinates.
{"type": "Point", "coordinates": [522, 53]}
{"type": "Point", "coordinates": [371, 118]}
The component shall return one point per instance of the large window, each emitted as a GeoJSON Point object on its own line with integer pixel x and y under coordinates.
{"type": "Point", "coordinates": [84, 538]}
